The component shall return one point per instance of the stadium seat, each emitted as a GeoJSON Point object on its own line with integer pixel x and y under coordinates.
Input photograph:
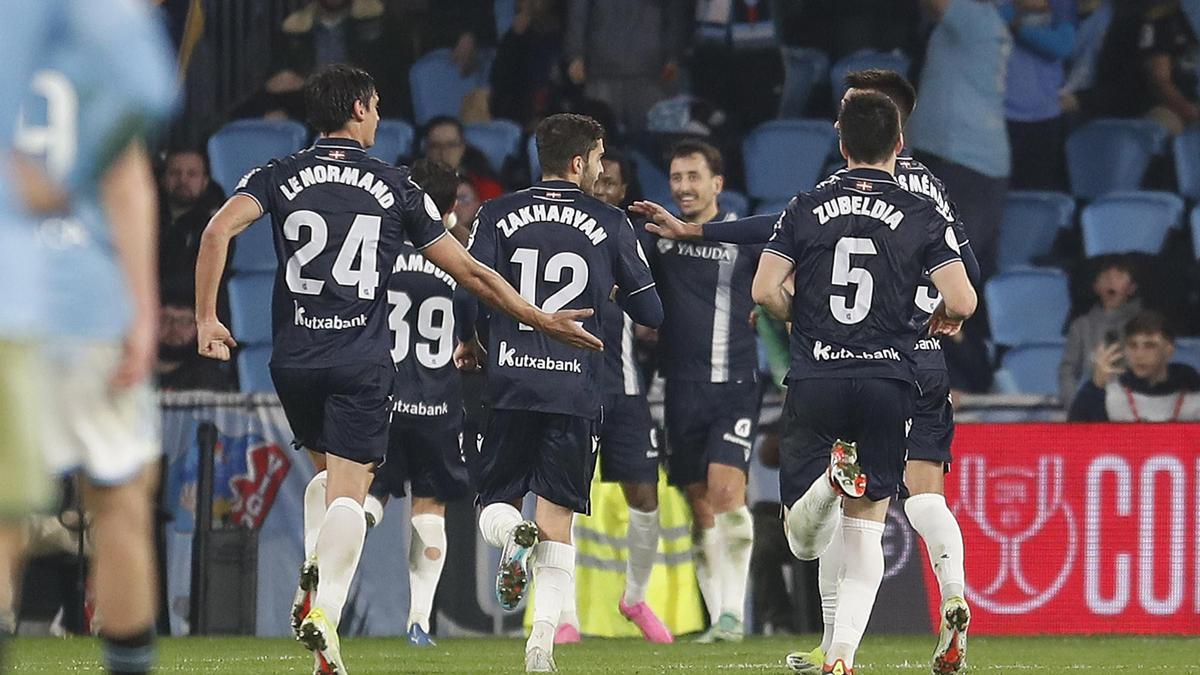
{"type": "Point", "coordinates": [1196, 231]}
{"type": "Point", "coordinates": [438, 86]}
{"type": "Point", "coordinates": [1026, 306]}
{"type": "Point", "coordinates": [1123, 222]}
{"type": "Point", "coordinates": [250, 306]}
{"type": "Point", "coordinates": [504, 11]}
{"type": "Point", "coordinates": [783, 157]}
{"type": "Point", "coordinates": [535, 168]}
{"type": "Point", "coordinates": [653, 180]}
{"type": "Point", "coordinates": [254, 249]}
{"type": "Point", "coordinates": [1030, 369]}
{"type": "Point", "coordinates": [1111, 154]}
{"type": "Point", "coordinates": [862, 60]}
{"type": "Point", "coordinates": [1032, 220]}
{"type": "Point", "coordinates": [497, 140]}
{"type": "Point", "coordinates": [1187, 350]}
{"type": "Point", "coordinates": [242, 145]}
{"type": "Point", "coordinates": [254, 372]}
{"type": "Point", "coordinates": [1187, 163]}
{"type": "Point", "coordinates": [771, 206]}
{"type": "Point", "coordinates": [393, 140]}
{"type": "Point", "coordinates": [803, 68]}
{"type": "Point", "coordinates": [732, 201]}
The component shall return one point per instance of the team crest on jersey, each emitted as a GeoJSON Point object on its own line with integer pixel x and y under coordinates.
{"type": "Point", "coordinates": [337, 154]}
{"type": "Point", "coordinates": [431, 209]}
{"type": "Point", "coordinates": [863, 186]}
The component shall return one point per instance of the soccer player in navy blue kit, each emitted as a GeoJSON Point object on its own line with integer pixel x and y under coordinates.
{"type": "Point", "coordinates": [340, 219]}
{"type": "Point", "coordinates": [562, 248]}
{"type": "Point", "coordinates": [709, 358]}
{"type": "Point", "coordinates": [856, 249]}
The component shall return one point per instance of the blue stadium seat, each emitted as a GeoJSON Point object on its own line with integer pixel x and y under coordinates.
{"type": "Point", "coordinates": [1129, 221]}
{"type": "Point", "coordinates": [242, 145]}
{"type": "Point", "coordinates": [1030, 369]}
{"type": "Point", "coordinates": [1032, 220]}
{"type": "Point", "coordinates": [653, 180]}
{"type": "Point", "coordinates": [250, 306]}
{"type": "Point", "coordinates": [254, 249]}
{"type": "Point", "coordinates": [1111, 154]}
{"type": "Point", "coordinates": [497, 140]}
{"type": "Point", "coordinates": [771, 206]}
{"type": "Point", "coordinates": [254, 372]}
{"type": "Point", "coordinates": [803, 69]}
{"type": "Point", "coordinates": [1196, 231]}
{"type": "Point", "coordinates": [1028, 305]}
{"type": "Point", "coordinates": [438, 86]}
{"type": "Point", "coordinates": [783, 157]}
{"type": "Point", "coordinates": [504, 11]}
{"type": "Point", "coordinates": [732, 201]}
{"type": "Point", "coordinates": [393, 140]}
{"type": "Point", "coordinates": [1187, 163]}
{"type": "Point", "coordinates": [1187, 350]}
{"type": "Point", "coordinates": [862, 60]}
{"type": "Point", "coordinates": [535, 168]}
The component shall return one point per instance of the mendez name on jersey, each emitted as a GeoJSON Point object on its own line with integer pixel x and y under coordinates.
{"type": "Point", "coordinates": [860, 244]}
{"type": "Point", "coordinates": [421, 318]}
{"type": "Point", "coordinates": [561, 249]}
{"type": "Point", "coordinates": [339, 219]}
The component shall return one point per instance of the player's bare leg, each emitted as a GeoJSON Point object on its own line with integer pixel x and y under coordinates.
{"type": "Point", "coordinates": [426, 558]}
{"type": "Point", "coordinates": [734, 529]}
{"type": "Point", "coordinates": [707, 548]}
{"type": "Point", "coordinates": [643, 547]}
{"type": "Point", "coordinates": [338, 549]}
{"type": "Point", "coordinates": [932, 519]}
{"type": "Point", "coordinates": [553, 571]}
{"type": "Point", "coordinates": [123, 571]}
{"type": "Point", "coordinates": [862, 538]}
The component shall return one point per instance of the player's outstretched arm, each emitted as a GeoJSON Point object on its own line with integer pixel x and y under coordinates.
{"type": "Point", "coordinates": [663, 223]}
{"type": "Point", "coordinates": [770, 285]}
{"type": "Point", "coordinates": [958, 299]}
{"type": "Point", "coordinates": [234, 217]}
{"type": "Point", "coordinates": [491, 288]}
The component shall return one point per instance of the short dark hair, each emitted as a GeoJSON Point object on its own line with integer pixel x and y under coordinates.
{"type": "Point", "coordinates": [562, 137]}
{"type": "Point", "coordinates": [441, 120]}
{"type": "Point", "coordinates": [330, 93]}
{"type": "Point", "coordinates": [1117, 261]}
{"type": "Point", "coordinates": [869, 125]}
{"type": "Point", "coordinates": [691, 146]}
{"type": "Point", "coordinates": [622, 161]}
{"type": "Point", "coordinates": [438, 181]}
{"type": "Point", "coordinates": [1149, 322]}
{"type": "Point", "coordinates": [890, 84]}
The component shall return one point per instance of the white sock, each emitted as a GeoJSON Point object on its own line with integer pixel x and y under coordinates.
{"type": "Point", "coordinates": [812, 520]}
{"type": "Point", "coordinates": [496, 522]}
{"type": "Point", "coordinates": [314, 512]}
{"type": "Point", "coordinates": [570, 610]}
{"type": "Point", "coordinates": [339, 546]}
{"type": "Point", "coordinates": [862, 541]}
{"type": "Point", "coordinates": [426, 557]}
{"type": "Point", "coordinates": [553, 571]}
{"type": "Point", "coordinates": [936, 524]}
{"type": "Point", "coordinates": [643, 546]}
{"type": "Point", "coordinates": [828, 578]}
{"type": "Point", "coordinates": [373, 507]}
{"type": "Point", "coordinates": [736, 531]}
{"type": "Point", "coordinates": [707, 555]}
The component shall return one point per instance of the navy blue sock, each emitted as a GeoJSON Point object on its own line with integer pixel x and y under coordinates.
{"type": "Point", "coordinates": [133, 655]}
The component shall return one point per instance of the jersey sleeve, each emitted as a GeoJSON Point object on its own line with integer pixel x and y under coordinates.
{"type": "Point", "coordinates": [783, 242]}
{"type": "Point", "coordinates": [422, 221]}
{"type": "Point", "coordinates": [257, 185]}
{"type": "Point", "coordinates": [749, 230]}
{"type": "Point", "coordinates": [632, 271]}
{"type": "Point", "coordinates": [482, 244]}
{"type": "Point", "coordinates": [942, 245]}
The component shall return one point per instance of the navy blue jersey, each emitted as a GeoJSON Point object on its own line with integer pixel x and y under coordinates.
{"type": "Point", "coordinates": [340, 219]}
{"type": "Point", "coordinates": [861, 244]}
{"type": "Point", "coordinates": [621, 372]}
{"type": "Point", "coordinates": [705, 287]}
{"type": "Point", "coordinates": [561, 249]}
{"type": "Point", "coordinates": [420, 296]}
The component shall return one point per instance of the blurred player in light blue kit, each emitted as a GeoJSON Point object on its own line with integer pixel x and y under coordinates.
{"type": "Point", "coordinates": [102, 77]}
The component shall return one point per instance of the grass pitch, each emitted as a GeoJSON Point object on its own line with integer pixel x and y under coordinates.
{"type": "Point", "coordinates": [879, 655]}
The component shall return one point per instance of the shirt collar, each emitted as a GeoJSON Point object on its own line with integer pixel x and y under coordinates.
{"type": "Point", "coordinates": [875, 175]}
{"type": "Point", "coordinates": [338, 144]}
{"type": "Point", "coordinates": [559, 185]}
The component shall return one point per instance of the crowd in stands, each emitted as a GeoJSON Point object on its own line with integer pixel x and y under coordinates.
{"type": "Point", "coordinates": [1008, 91]}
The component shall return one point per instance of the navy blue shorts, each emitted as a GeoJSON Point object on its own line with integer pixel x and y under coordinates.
{"type": "Point", "coordinates": [428, 454]}
{"type": "Point", "coordinates": [343, 411]}
{"type": "Point", "coordinates": [628, 441]}
{"type": "Point", "coordinates": [550, 455]}
{"type": "Point", "coordinates": [933, 419]}
{"type": "Point", "coordinates": [873, 412]}
{"type": "Point", "coordinates": [707, 423]}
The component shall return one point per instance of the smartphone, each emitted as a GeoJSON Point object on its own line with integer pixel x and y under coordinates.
{"type": "Point", "coordinates": [1111, 338]}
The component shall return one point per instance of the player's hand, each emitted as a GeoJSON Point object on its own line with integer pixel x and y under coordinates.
{"type": "Point", "coordinates": [138, 355]}
{"type": "Point", "coordinates": [664, 224]}
{"type": "Point", "coordinates": [565, 327]}
{"type": "Point", "coordinates": [753, 320]}
{"type": "Point", "coordinates": [38, 191]}
{"type": "Point", "coordinates": [577, 72]}
{"type": "Point", "coordinates": [468, 356]}
{"type": "Point", "coordinates": [214, 340]}
{"type": "Point", "coordinates": [941, 324]}
{"type": "Point", "coordinates": [1106, 363]}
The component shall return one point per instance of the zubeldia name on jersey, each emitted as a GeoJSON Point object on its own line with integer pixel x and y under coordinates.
{"type": "Point", "coordinates": [552, 213]}
{"type": "Point", "coordinates": [332, 173]}
{"type": "Point", "coordinates": [846, 205]}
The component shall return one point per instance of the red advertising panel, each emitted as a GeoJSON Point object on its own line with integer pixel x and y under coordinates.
{"type": "Point", "coordinates": [1078, 528]}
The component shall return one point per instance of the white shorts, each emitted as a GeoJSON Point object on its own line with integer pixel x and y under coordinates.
{"type": "Point", "coordinates": [107, 435]}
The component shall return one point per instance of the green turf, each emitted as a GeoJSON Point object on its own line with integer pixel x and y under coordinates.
{"type": "Point", "coordinates": [879, 654]}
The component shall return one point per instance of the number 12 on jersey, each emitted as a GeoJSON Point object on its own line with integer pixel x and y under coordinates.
{"type": "Point", "coordinates": [526, 259]}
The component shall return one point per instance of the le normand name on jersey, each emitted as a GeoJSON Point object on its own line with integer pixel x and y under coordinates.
{"type": "Point", "coordinates": [552, 213]}
{"type": "Point", "coordinates": [346, 175]}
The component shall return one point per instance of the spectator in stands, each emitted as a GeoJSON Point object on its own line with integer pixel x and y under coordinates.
{"type": "Point", "coordinates": [465, 27]}
{"type": "Point", "coordinates": [526, 77]}
{"type": "Point", "coordinates": [466, 205]}
{"type": "Point", "coordinates": [735, 59]}
{"type": "Point", "coordinates": [1135, 381]}
{"type": "Point", "coordinates": [958, 129]}
{"type": "Point", "coordinates": [444, 142]}
{"type": "Point", "coordinates": [180, 366]}
{"type": "Point", "coordinates": [189, 198]}
{"type": "Point", "coordinates": [1043, 34]}
{"type": "Point", "coordinates": [626, 52]}
{"type": "Point", "coordinates": [1117, 303]}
